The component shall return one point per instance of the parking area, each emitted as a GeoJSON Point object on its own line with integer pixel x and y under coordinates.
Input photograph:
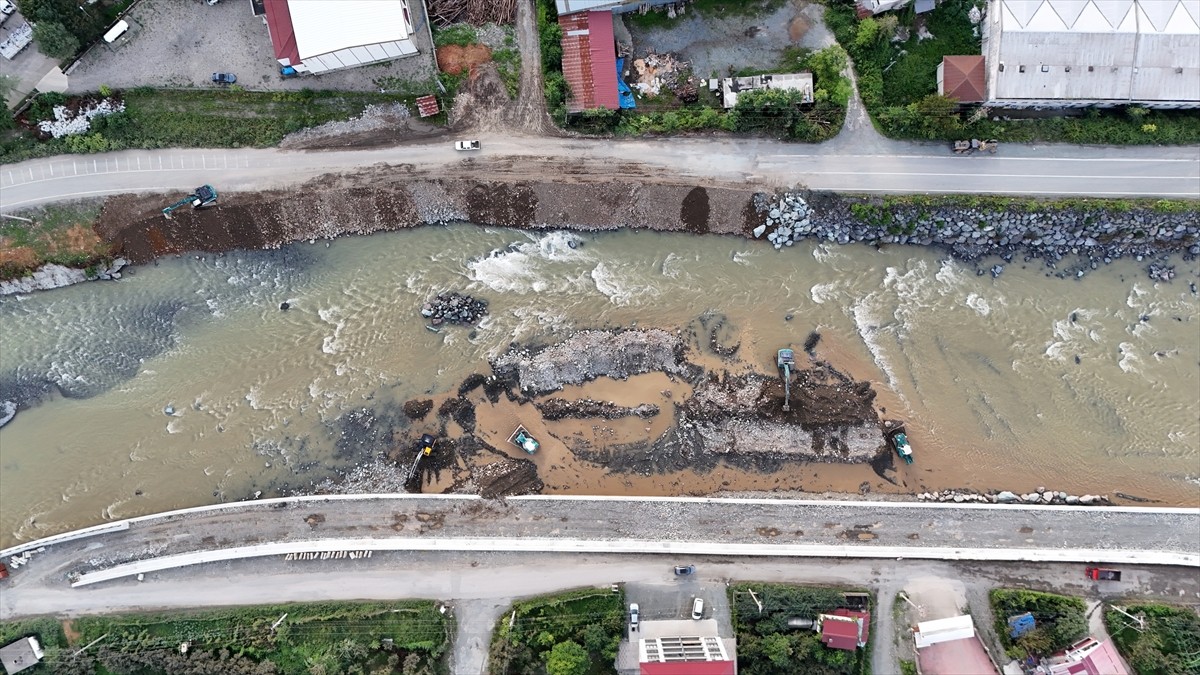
{"type": "Point", "coordinates": [28, 67]}
{"type": "Point", "coordinates": [671, 600]}
{"type": "Point", "coordinates": [181, 43]}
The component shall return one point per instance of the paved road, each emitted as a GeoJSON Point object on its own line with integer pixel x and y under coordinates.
{"type": "Point", "coordinates": [1099, 172]}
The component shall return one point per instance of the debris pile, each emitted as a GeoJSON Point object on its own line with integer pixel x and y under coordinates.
{"type": "Point", "coordinates": [655, 71]}
{"type": "Point", "coordinates": [561, 408]}
{"type": "Point", "coordinates": [454, 308]}
{"type": "Point", "coordinates": [69, 123]}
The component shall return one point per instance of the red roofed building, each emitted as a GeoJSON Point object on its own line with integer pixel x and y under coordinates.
{"type": "Point", "coordinates": [1089, 657]}
{"type": "Point", "coordinates": [962, 77]}
{"type": "Point", "coordinates": [590, 60]}
{"type": "Point", "coordinates": [845, 629]}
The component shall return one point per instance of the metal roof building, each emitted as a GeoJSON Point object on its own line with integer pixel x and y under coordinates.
{"type": "Point", "coordinates": [1078, 53]}
{"type": "Point", "coordinates": [314, 36]}
{"type": "Point", "coordinates": [20, 655]}
{"type": "Point", "coordinates": [590, 60]}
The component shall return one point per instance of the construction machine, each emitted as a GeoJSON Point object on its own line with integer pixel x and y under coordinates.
{"type": "Point", "coordinates": [786, 359]}
{"type": "Point", "coordinates": [205, 195]}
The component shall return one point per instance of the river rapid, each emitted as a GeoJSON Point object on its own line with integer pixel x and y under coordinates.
{"type": "Point", "coordinates": [1026, 380]}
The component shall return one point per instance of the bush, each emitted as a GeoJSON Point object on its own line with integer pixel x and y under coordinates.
{"type": "Point", "coordinates": [768, 646]}
{"type": "Point", "coordinates": [1060, 620]}
{"type": "Point", "coordinates": [1170, 645]}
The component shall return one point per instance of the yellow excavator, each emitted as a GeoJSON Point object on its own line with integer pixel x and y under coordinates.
{"type": "Point", "coordinates": [205, 195]}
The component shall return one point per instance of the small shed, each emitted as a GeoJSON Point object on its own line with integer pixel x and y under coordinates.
{"type": "Point", "coordinates": [427, 106]}
{"type": "Point", "coordinates": [844, 629]}
{"type": "Point", "coordinates": [962, 77]}
{"type": "Point", "coordinates": [21, 655]}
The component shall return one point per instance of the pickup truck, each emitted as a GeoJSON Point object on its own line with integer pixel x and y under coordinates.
{"type": "Point", "coordinates": [467, 145]}
{"type": "Point", "coordinates": [1103, 574]}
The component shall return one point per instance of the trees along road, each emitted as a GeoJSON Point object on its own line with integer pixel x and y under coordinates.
{"type": "Point", "coordinates": [1172, 172]}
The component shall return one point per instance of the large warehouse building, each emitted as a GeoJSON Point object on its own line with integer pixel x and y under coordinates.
{"type": "Point", "coordinates": [315, 36]}
{"type": "Point", "coordinates": [1079, 53]}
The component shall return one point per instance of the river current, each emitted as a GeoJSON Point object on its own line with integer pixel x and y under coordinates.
{"type": "Point", "coordinates": [1027, 380]}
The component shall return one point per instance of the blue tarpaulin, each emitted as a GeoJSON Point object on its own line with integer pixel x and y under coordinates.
{"type": "Point", "coordinates": [626, 94]}
{"type": "Point", "coordinates": [1020, 624]}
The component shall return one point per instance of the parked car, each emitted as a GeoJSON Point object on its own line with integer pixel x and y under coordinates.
{"type": "Point", "coordinates": [685, 570]}
{"type": "Point", "coordinates": [7, 8]}
{"type": "Point", "coordinates": [224, 78]}
{"type": "Point", "coordinates": [698, 609]}
{"type": "Point", "coordinates": [467, 145]}
{"type": "Point", "coordinates": [634, 616]}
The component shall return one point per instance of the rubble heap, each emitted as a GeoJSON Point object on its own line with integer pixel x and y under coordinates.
{"type": "Point", "coordinates": [454, 308]}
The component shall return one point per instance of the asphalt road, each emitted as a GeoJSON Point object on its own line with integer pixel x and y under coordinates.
{"type": "Point", "coordinates": [908, 168]}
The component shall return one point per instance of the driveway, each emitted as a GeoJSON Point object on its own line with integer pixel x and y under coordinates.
{"type": "Point", "coordinates": [181, 43]}
{"type": "Point", "coordinates": [27, 67]}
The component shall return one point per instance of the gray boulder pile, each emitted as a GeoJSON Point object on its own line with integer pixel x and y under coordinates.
{"type": "Point", "coordinates": [1078, 239]}
{"type": "Point", "coordinates": [1040, 496]}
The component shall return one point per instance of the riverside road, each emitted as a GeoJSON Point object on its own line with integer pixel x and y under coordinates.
{"type": "Point", "coordinates": [913, 168]}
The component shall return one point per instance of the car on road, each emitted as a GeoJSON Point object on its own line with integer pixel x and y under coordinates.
{"type": "Point", "coordinates": [634, 616]}
{"type": "Point", "coordinates": [685, 570]}
{"type": "Point", "coordinates": [224, 78]}
{"type": "Point", "coordinates": [698, 609]}
{"type": "Point", "coordinates": [467, 145]}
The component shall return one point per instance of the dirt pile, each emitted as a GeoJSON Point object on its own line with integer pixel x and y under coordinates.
{"type": "Point", "coordinates": [455, 59]}
{"type": "Point", "coordinates": [589, 354]}
{"type": "Point", "coordinates": [507, 477]}
{"type": "Point", "coordinates": [560, 408]}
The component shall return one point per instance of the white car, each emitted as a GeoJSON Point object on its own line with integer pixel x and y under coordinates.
{"type": "Point", "coordinates": [634, 616]}
{"type": "Point", "coordinates": [466, 145]}
{"type": "Point", "coordinates": [7, 8]}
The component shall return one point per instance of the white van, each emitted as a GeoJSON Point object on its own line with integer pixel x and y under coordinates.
{"type": "Point", "coordinates": [116, 31]}
{"type": "Point", "coordinates": [698, 609]}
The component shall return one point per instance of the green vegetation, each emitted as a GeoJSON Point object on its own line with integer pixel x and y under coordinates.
{"type": "Point", "coordinates": [508, 64]}
{"type": "Point", "coordinates": [905, 104]}
{"type": "Point", "coordinates": [60, 234]}
{"type": "Point", "coordinates": [208, 118]}
{"type": "Point", "coordinates": [65, 27]}
{"type": "Point", "coordinates": [1060, 621]}
{"type": "Point", "coordinates": [461, 34]}
{"type": "Point", "coordinates": [409, 637]}
{"type": "Point", "coordinates": [1170, 644]}
{"type": "Point", "coordinates": [767, 646]}
{"type": "Point", "coordinates": [908, 668]}
{"type": "Point", "coordinates": [1030, 204]}
{"type": "Point", "coordinates": [572, 633]}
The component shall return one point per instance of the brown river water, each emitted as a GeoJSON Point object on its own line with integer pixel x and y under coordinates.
{"type": "Point", "coordinates": [1087, 386]}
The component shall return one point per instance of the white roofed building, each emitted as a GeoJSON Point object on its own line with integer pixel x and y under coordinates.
{"type": "Point", "coordinates": [1081, 53]}
{"type": "Point", "coordinates": [314, 36]}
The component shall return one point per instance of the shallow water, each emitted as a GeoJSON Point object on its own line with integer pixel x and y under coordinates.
{"type": "Point", "coordinates": [984, 371]}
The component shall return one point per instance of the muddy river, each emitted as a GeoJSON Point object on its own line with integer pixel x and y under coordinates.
{"type": "Point", "coordinates": [1012, 383]}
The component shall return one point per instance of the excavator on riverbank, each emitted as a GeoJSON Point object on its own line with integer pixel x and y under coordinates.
{"type": "Point", "coordinates": [205, 195]}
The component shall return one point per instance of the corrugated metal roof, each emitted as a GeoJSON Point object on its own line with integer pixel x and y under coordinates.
{"type": "Point", "coordinates": [283, 37]}
{"type": "Point", "coordinates": [427, 105]}
{"type": "Point", "coordinates": [590, 60]}
{"type": "Point", "coordinates": [1094, 50]}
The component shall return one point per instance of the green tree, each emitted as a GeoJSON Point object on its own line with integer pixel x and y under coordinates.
{"type": "Point", "coordinates": [937, 116]}
{"type": "Point", "coordinates": [567, 658]}
{"type": "Point", "coordinates": [777, 648]}
{"type": "Point", "coordinates": [54, 40]}
{"type": "Point", "coordinates": [827, 67]}
{"type": "Point", "coordinates": [867, 35]}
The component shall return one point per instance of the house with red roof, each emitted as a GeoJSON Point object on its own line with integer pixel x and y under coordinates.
{"type": "Point", "coordinates": [844, 629]}
{"type": "Point", "coordinates": [590, 60]}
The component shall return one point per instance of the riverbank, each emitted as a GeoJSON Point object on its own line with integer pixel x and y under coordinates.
{"type": "Point", "coordinates": [1071, 237]}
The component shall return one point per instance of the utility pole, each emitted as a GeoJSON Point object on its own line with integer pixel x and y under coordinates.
{"type": "Point", "coordinates": [755, 598]}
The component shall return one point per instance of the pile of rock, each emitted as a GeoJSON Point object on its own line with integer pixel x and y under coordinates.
{"type": "Point", "coordinates": [454, 308]}
{"type": "Point", "coordinates": [1084, 239]}
{"type": "Point", "coordinates": [1040, 496]}
{"type": "Point", "coordinates": [787, 221]}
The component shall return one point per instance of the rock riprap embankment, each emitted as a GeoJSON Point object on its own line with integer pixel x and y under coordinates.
{"type": "Point", "coordinates": [1078, 238]}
